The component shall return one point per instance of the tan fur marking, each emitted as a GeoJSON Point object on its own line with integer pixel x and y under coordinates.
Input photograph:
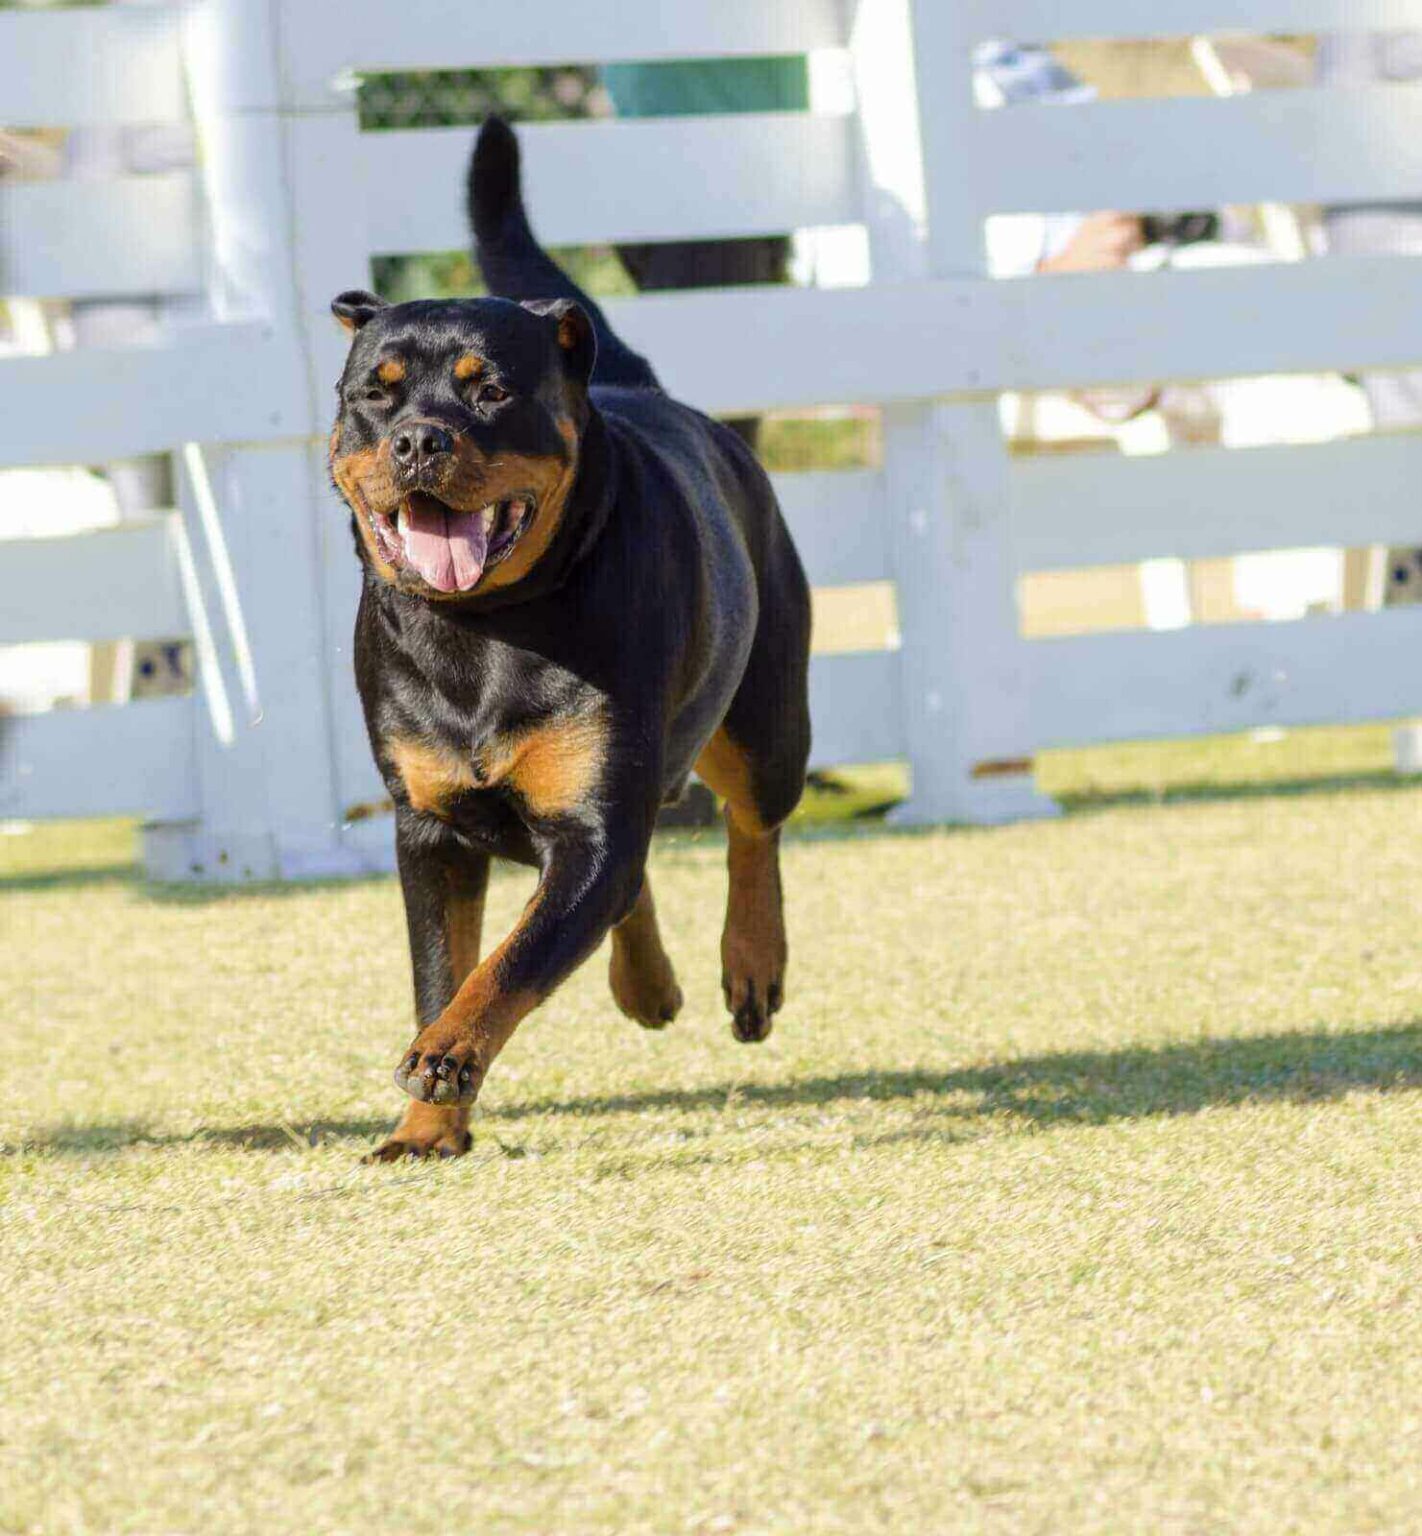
{"type": "Point", "coordinates": [432, 777]}
{"type": "Point", "coordinates": [554, 767]}
{"type": "Point", "coordinates": [640, 972]}
{"type": "Point", "coordinates": [464, 928]}
{"type": "Point", "coordinates": [470, 481]}
{"type": "Point", "coordinates": [753, 948]}
{"type": "Point", "coordinates": [569, 333]}
{"type": "Point", "coordinates": [391, 371]}
{"type": "Point", "coordinates": [469, 367]}
{"type": "Point", "coordinates": [531, 548]}
{"type": "Point", "coordinates": [353, 472]}
{"type": "Point", "coordinates": [426, 1130]}
{"type": "Point", "coordinates": [725, 768]}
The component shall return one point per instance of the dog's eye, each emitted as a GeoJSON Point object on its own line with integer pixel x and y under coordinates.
{"type": "Point", "coordinates": [374, 396]}
{"type": "Point", "coordinates": [491, 394]}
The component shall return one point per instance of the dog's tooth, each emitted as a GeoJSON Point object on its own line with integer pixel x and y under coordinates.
{"type": "Point", "coordinates": [402, 522]}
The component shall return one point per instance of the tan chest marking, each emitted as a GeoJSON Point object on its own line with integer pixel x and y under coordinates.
{"type": "Point", "coordinates": [432, 777]}
{"type": "Point", "coordinates": [554, 768]}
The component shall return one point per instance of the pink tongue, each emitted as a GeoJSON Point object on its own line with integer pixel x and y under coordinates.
{"type": "Point", "coordinates": [446, 547]}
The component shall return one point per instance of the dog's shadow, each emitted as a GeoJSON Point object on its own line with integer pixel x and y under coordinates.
{"type": "Point", "coordinates": [1082, 1087]}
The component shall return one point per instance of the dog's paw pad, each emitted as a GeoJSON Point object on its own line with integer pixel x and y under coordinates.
{"type": "Point", "coordinates": [440, 1076]}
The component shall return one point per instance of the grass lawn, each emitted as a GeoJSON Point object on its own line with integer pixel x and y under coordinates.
{"type": "Point", "coordinates": [1080, 1188]}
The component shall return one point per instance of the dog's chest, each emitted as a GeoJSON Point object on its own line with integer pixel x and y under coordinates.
{"type": "Point", "coordinates": [553, 769]}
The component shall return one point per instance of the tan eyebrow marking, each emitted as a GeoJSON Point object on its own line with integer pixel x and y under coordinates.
{"type": "Point", "coordinates": [469, 367]}
{"type": "Point", "coordinates": [391, 371]}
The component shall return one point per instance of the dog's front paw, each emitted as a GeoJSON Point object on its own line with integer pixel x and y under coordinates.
{"type": "Point", "coordinates": [426, 1130]}
{"type": "Point", "coordinates": [442, 1066]}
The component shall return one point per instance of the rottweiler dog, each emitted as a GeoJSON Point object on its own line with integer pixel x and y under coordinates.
{"type": "Point", "coordinates": [576, 592]}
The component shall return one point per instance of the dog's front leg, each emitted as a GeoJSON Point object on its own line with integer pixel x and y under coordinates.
{"type": "Point", "coordinates": [584, 890]}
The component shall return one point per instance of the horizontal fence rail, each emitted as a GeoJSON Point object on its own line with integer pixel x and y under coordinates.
{"type": "Point", "coordinates": [84, 239]}
{"type": "Point", "coordinates": [62, 69]}
{"type": "Point", "coordinates": [765, 348]}
{"type": "Point", "coordinates": [1298, 146]}
{"type": "Point", "coordinates": [756, 173]}
{"type": "Point", "coordinates": [762, 348]}
{"type": "Point", "coordinates": [1213, 678]}
{"type": "Point", "coordinates": [213, 384]}
{"type": "Point", "coordinates": [125, 760]}
{"type": "Point", "coordinates": [1197, 503]}
{"type": "Point", "coordinates": [1051, 20]}
{"type": "Point", "coordinates": [102, 584]}
{"type": "Point", "coordinates": [315, 52]}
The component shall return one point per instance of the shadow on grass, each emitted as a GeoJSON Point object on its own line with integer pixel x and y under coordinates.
{"type": "Point", "coordinates": [1069, 1088]}
{"type": "Point", "coordinates": [1090, 1087]}
{"type": "Point", "coordinates": [1377, 781]}
{"type": "Point", "coordinates": [64, 879]}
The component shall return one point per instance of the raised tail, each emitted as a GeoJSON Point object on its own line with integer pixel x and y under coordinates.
{"type": "Point", "coordinates": [515, 266]}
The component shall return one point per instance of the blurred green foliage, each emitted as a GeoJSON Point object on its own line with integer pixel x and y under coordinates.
{"type": "Point", "coordinates": [450, 97]}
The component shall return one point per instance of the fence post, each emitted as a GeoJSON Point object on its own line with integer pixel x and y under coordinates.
{"type": "Point", "coordinates": [270, 807]}
{"type": "Point", "coordinates": [945, 463]}
{"type": "Point", "coordinates": [330, 253]}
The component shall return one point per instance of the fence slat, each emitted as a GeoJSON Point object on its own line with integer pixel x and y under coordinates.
{"type": "Point", "coordinates": [856, 711]}
{"type": "Point", "coordinates": [757, 173]}
{"type": "Point", "coordinates": [753, 349]}
{"type": "Point", "coordinates": [760, 348]}
{"type": "Point", "coordinates": [1102, 509]}
{"type": "Point", "coordinates": [92, 66]}
{"type": "Point", "coordinates": [1208, 678]}
{"type": "Point", "coordinates": [1303, 146]}
{"type": "Point", "coordinates": [838, 519]}
{"type": "Point", "coordinates": [1050, 20]}
{"type": "Point", "coordinates": [77, 239]}
{"type": "Point", "coordinates": [434, 34]}
{"type": "Point", "coordinates": [122, 760]}
{"type": "Point", "coordinates": [103, 584]}
{"type": "Point", "coordinates": [214, 383]}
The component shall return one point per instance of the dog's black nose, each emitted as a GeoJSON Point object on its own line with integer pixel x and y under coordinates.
{"type": "Point", "coordinates": [420, 441]}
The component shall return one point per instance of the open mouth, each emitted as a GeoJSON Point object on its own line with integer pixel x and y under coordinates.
{"type": "Point", "coordinates": [449, 549]}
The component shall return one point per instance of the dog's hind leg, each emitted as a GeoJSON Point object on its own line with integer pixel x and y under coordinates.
{"type": "Point", "coordinates": [756, 762]}
{"type": "Point", "coordinates": [643, 981]}
{"type": "Point", "coordinates": [753, 944]}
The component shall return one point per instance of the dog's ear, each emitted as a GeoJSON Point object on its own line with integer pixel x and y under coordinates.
{"type": "Point", "coordinates": [575, 333]}
{"type": "Point", "coordinates": [354, 307]}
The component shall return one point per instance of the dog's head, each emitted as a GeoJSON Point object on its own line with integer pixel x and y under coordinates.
{"type": "Point", "coordinates": [457, 437]}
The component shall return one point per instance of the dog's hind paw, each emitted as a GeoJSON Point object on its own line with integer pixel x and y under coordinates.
{"type": "Point", "coordinates": [649, 994]}
{"type": "Point", "coordinates": [753, 1007]}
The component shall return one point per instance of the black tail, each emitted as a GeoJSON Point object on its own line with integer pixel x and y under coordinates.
{"type": "Point", "coordinates": [515, 266]}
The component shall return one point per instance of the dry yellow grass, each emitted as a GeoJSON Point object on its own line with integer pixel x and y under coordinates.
{"type": "Point", "coordinates": [1077, 1190]}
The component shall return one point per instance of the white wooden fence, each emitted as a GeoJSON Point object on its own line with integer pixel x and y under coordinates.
{"type": "Point", "coordinates": [254, 776]}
